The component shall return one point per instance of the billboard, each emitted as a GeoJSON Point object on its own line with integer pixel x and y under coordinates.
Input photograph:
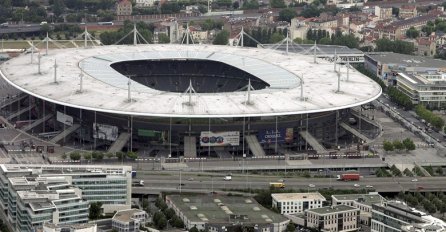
{"type": "Point", "coordinates": [224, 138]}
{"type": "Point", "coordinates": [104, 131]}
{"type": "Point", "coordinates": [284, 135]}
{"type": "Point", "coordinates": [64, 118]}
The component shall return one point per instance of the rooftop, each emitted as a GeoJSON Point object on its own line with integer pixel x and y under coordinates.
{"type": "Point", "coordinates": [407, 60]}
{"type": "Point", "coordinates": [224, 209]}
{"type": "Point", "coordinates": [366, 199]}
{"type": "Point", "coordinates": [297, 196]}
{"type": "Point", "coordinates": [101, 83]}
{"type": "Point", "coordinates": [332, 209]}
{"type": "Point", "coordinates": [126, 215]}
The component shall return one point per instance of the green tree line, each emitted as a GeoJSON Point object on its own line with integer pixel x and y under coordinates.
{"type": "Point", "coordinates": [434, 120]}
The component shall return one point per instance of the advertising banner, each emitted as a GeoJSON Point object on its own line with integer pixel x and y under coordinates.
{"type": "Point", "coordinates": [104, 131]}
{"type": "Point", "coordinates": [284, 135]}
{"type": "Point", "coordinates": [225, 138]}
{"type": "Point", "coordinates": [64, 118]}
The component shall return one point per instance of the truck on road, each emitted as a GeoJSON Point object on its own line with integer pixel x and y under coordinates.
{"type": "Point", "coordinates": [277, 185]}
{"type": "Point", "coordinates": [348, 177]}
{"type": "Point", "coordinates": [138, 183]}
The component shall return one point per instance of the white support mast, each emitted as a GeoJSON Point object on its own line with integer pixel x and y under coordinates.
{"type": "Point", "coordinates": [135, 33]}
{"type": "Point", "coordinates": [81, 76]}
{"type": "Point", "coordinates": [47, 40]}
{"type": "Point", "coordinates": [39, 57]}
{"type": "Point", "coordinates": [242, 32]}
{"type": "Point", "coordinates": [55, 71]}
{"type": "Point", "coordinates": [129, 84]}
{"type": "Point", "coordinates": [335, 60]}
{"type": "Point", "coordinates": [314, 52]}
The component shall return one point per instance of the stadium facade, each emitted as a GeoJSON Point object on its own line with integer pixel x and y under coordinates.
{"type": "Point", "coordinates": [197, 100]}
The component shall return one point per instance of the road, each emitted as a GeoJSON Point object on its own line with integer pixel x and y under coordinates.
{"type": "Point", "coordinates": [213, 182]}
{"type": "Point", "coordinates": [415, 124]}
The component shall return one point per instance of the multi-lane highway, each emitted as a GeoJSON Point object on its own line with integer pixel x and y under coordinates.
{"type": "Point", "coordinates": [208, 182]}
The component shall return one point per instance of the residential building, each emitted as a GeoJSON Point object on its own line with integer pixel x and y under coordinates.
{"type": "Point", "coordinates": [129, 220]}
{"type": "Point", "coordinates": [144, 3]}
{"type": "Point", "coordinates": [44, 189]}
{"type": "Point", "coordinates": [386, 65]}
{"type": "Point", "coordinates": [383, 13]}
{"type": "Point", "coordinates": [363, 202]}
{"type": "Point", "coordinates": [397, 216]}
{"type": "Point", "coordinates": [408, 11]}
{"type": "Point", "coordinates": [339, 218]}
{"type": "Point", "coordinates": [218, 213]}
{"type": "Point", "coordinates": [291, 203]}
{"type": "Point", "coordinates": [86, 227]}
{"type": "Point", "coordinates": [124, 7]}
{"type": "Point", "coordinates": [426, 46]}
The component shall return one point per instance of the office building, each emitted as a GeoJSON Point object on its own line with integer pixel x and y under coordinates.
{"type": "Point", "coordinates": [86, 227]}
{"type": "Point", "coordinates": [219, 213]}
{"type": "Point", "coordinates": [60, 194]}
{"type": "Point", "coordinates": [129, 220]}
{"type": "Point", "coordinates": [427, 88]}
{"type": "Point", "coordinates": [386, 65]}
{"type": "Point", "coordinates": [339, 218]}
{"type": "Point", "coordinates": [363, 202]}
{"type": "Point", "coordinates": [291, 203]}
{"type": "Point", "coordinates": [396, 216]}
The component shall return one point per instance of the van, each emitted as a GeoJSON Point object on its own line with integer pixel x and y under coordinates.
{"type": "Point", "coordinates": [43, 23]}
{"type": "Point", "coordinates": [227, 177]}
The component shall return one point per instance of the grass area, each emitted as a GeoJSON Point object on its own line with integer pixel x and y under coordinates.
{"type": "Point", "coordinates": [15, 44]}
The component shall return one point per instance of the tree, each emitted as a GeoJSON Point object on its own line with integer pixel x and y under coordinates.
{"type": "Point", "coordinates": [398, 145]}
{"type": "Point", "coordinates": [290, 227]}
{"type": "Point", "coordinates": [177, 222]}
{"type": "Point", "coordinates": [159, 219]}
{"type": "Point", "coordinates": [87, 155]}
{"type": "Point", "coordinates": [251, 4]}
{"type": "Point", "coordinates": [409, 145]}
{"type": "Point", "coordinates": [110, 155]}
{"type": "Point", "coordinates": [75, 156]}
{"type": "Point", "coordinates": [236, 5]}
{"type": "Point", "coordinates": [58, 7]}
{"type": "Point", "coordinates": [193, 229]}
{"type": "Point", "coordinates": [388, 146]}
{"type": "Point", "coordinates": [311, 11]}
{"type": "Point", "coordinates": [97, 155]}
{"type": "Point", "coordinates": [64, 156]}
{"type": "Point", "coordinates": [439, 171]}
{"type": "Point", "coordinates": [120, 155]}
{"type": "Point", "coordinates": [276, 37]}
{"type": "Point", "coordinates": [397, 46]}
{"type": "Point", "coordinates": [412, 33]}
{"type": "Point", "coordinates": [132, 155]}
{"type": "Point", "coordinates": [277, 4]}
{"type": "Point", "coordinates": [95, 211]}
{"type": "Point", "coordinates": [169, 213]}
{"type": "Point", "coordinates": [163, 38]}
{"type": "Point", "coordinates": [287, 14]}
{"type": "Point", "coordinates": [221, 38]}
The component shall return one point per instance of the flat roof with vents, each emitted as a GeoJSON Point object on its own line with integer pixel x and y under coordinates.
{"type": "Point", "coordinates": [224, 209]}
{"type": "Point", "coordinates": [280, 197]}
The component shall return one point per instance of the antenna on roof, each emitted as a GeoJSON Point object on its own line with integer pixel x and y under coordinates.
{"type": "Point", "coordinates": [339, 82]}
{"type": "Point", "coordinates": [190, 91]}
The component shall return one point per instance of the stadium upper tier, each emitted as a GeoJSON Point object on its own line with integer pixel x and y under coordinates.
{"type": "Point", "coordinates": [159, 84]}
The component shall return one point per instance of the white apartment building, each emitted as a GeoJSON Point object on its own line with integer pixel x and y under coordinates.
{"type": "Point", "coordinates": [339, 218]}
{"type": "Point", "coordinates": [291, 203]}
{"type": "Point", "coordinates": [129, 220]}
{"type": "Point", "coordinates": [363, 202]}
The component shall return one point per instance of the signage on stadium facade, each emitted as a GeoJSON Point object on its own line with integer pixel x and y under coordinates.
{"type": "Point", "coordinates": [224, 138]}
{"type": "Point", "coordinates": [283, 135]}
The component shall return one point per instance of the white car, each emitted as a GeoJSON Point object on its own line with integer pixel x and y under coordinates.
{"type": "Point", "coordinates": [369, 186]}
{"type": "Point", "coordinates": [414, 180]}
{"type": "Point", "coordinates": [311, 185]}
{"type": "Point", "coordinates": [356, 185]}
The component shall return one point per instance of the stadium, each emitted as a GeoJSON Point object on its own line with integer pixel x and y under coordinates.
{"type": "Point", "coordinates": [188, 100]}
